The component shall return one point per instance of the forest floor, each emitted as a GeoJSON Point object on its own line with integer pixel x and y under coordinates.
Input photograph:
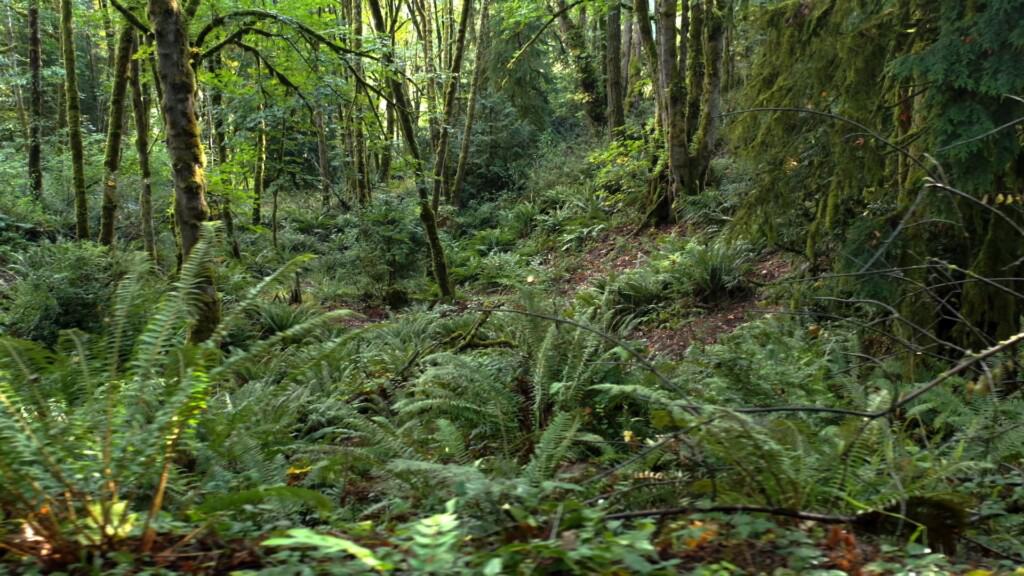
{"type": "Point", "coordinates": [611, 255]}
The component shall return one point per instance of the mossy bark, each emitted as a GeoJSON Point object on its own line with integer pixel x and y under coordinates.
{"type": "Point", "coordinates": [74, 114]}
{"type": "Point", "coordinates": [115, 121]}
{"type": "Point", "coordinates": [323, 159]}
{"type": "Point", "coordinates": [674, 91]}
{"type": "Point", "coordinates": [703, 128]}
{"type": "Point", "coordinates": [184, 145]}
{"type": "Point", "coordinates": [613, 64]}
{"type": "Point", "coordinates": [140, 108]}
{"type": "Point", "coordinates": [586, 73]}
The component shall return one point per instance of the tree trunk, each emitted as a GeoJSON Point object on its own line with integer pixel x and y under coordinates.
{"type": "Point", "coordinates": [613, 62]}
{"type": "Point", "coordinates": [140, 107]}
{"type": "Point", "coordinates": [74, 120]}
{"type": "Point", "coordinates": [359, 131]}
{"type": "Point", "coordinates": [397, 89]}
{"type": "Point", "coordinates": [650, 51]}
{"type": "Point", "coordinates": [423, 16]}
{"type": "Point", "coordinates": [587, 76]}
{"type": "Point", "coordinates": [112, 158]}
{"type": "Point", "coordinates": [674, 92]}
{"type": "Point", "coordinates": [323, 159]}
{"type": "Point", "coordinates": [259, 178]}
{"type": "Point", "coordinates": [705, 136]}
{"type": "Point", "coordinates": [467, 131]}
{"type": "Point", "coordinates": [35, 169]}
{"type": "Point", "coordinates": [18, 97]}
{"type": "Point", "coordinates": [626, 59]}
{"type": "Point", "coordinates": [184, 146]}
{"type": "Point", "coordinates": [384, 168]}
{"type": "Point", "coordinates": [220, 143]}
{"type": "Point", "coordinates": [441, 156]}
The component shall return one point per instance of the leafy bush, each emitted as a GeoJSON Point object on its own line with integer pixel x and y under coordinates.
{"type": "Point", "coordinates": [60, 286]}
{"type": "Point", "coordinates": [623, 170]}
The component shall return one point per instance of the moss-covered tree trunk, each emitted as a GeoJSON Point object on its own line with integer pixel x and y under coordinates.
{"type": "Point", "coordinates": [423, 15]}
{"type": "Point", "coordinates": [384, 161]}
{"type": "Point", "coordinates": [427, 217]}
{"type": "Point", "coordinates": [586, 73]}
{"type": "Point", "coordinates": [140, 108]}
{"type": "Point", "coordinates": [613, 64]}
{"type": "Point", "coordinates": [183, 144]}
{"type": "Point", "coordinates": [35, 66]}
{"type": "Point", "coordinates": [673, 91]}
{"type": "Point", "coordinates": [115, 116]}
{"type": "Point", "coordinates": [703, 127]}
{"type": "Point", "coordinates": [474, 90]}
{"type": "Point", "coordinates": [74, 114]}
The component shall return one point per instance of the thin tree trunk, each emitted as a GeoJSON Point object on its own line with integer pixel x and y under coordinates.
{"type": "Point", "coordinates": [422, 12]}
{"type": "Point", "coordinates": [19, 98]}
{"type": "Point", "coordinates": [259, 178]}
{"type": "Point", "coordinates": [437, 257]}
{"type": "Point", "coordinates": [359, 132]}
{"type": "Point", "coordinates": [220, 143]}
{"type": "Point", "coordinates": [35, 169]}
{"type": "Point", "coordinates": [474, 89]}
{"type": "Point", "coordinates": [112, 158]}
{"type": "Point", "coordinates": [140, 107]}
{"type": "Point", "coordinates": [441, 157]}
{"type": "Point", "coordinates": [185, 150]}
{"type": "Point", "coordinates": [384, 169]}
{"type": "Point", "coordinates": [74, 120]}
{"type": "Point", "coordinates": [613, 63]}
{"type": "Point", "coordinates": [323, 158]}
{"type": "Point", "coordinates": [108, 33]}
{"type": "Point", "coordinates": [626, 57]}
{"type": "Point", "coordinates": [650, 51]}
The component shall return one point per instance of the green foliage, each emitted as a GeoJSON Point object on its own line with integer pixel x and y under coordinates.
{"type": "Point", "coordinates": [495, 164]}
{"type": "Point", "coordinates": [498, 433]}
{"type": "Point", "coordinates": [713, 271]}
{"type": "Point", "coordinates": [91, 431]}
{"type": "Point", "coordinates": [379, 250]}
{"type": "Point", "coordinates": [60, 286]}
{"type": "Point", "coordinates": [680, 273]}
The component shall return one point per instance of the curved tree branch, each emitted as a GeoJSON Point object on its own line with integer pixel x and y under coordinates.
{"type": "Point", "coordinates": [132, 18]}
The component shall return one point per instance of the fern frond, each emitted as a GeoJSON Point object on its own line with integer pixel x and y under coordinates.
{"type": "Point", "coordinates": [552, 448]}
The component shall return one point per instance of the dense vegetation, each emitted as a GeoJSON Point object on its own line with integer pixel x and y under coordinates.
{"type": "Point", "coordinates": [512, 287]}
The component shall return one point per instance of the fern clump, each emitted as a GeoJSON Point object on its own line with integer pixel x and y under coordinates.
{"type": "Point", "coordinates": [60, 286]}
{"type": "Point", "coordinates": [96, 432]}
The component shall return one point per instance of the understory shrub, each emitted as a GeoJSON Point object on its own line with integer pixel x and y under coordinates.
{"type": "Point", "coordinates": [59, 286]}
